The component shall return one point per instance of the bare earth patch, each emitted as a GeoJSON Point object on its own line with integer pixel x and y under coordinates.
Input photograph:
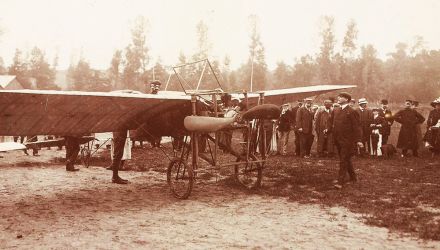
{"type": "Point", "coordinates": [43, 206]}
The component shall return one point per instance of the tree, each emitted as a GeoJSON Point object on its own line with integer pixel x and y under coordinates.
{"type": "Point", "coordinates": [19, 68]}
{"type": "Point", "coordinates": [304, 71]}
{"type": "Point", "coordinates": [326, 67]}
{"type": "Point", "coordinates": [3, 69]}
{"type": "Point", "coordinates": [282, 75]}
{"type": "Point", "coordinates": [254, 72]}
{"type": "Point", "coordinates": [136, 56]}
{"type": "Point", "coordinates": [345, 60]}
{"type": "Point", "coordinates": [41, 70]}
{"type": "Point", "coordinates": [369, 73]}
{"type": "Point", "coordinates": [115, 70]}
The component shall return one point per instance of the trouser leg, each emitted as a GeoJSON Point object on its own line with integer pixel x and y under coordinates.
{"type": "Point", "coordinates": [297, 143]}
{"type": "Point", "coordinates": [118, 151]}
{"type": "Point", "coordinates": [384, 139]}
{"type": "Point", "coordinates": [303, 144]}
{"type": "Point", "coordinates": [72, 151]}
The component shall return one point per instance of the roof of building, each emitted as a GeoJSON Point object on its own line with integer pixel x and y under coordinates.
{"type": "Point", "coordinates": [5, 80]}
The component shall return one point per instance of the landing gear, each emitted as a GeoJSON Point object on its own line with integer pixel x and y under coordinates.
{"type": "Point", "coordinates": [180, 178]}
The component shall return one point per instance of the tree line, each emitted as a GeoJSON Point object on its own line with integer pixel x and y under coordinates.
{"type": "Point", "coordinates": [410, 71]}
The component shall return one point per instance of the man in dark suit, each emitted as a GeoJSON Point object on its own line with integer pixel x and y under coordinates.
{"type": "Point", "coordinates": [409, 118]}
{"type": "Point", "coordinates": [304, 125]}
{"type": "Point", "coordinates": [386, 113]}
{"type": "Point", "coordinates": [294, 112]}
{"type": "Point", "coordinates": [345, 126]}
{"type": "Point", "coordinates": [366, 119]}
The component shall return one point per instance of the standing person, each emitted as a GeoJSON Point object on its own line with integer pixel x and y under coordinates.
{"type": "Point", "coordinates": [386, 113]}
{"type": "Point", "coordinates": [304, 125]}
{"type": "Point", "coordinates": [294, 112]}
{"type": "Point", "coordinates": [126, 151]}
{"type": "Point", "coordinates": [284, 125]}
{"type": "Point", "coordinates": [155, 87]}
{"type": "Point", "coordinates": [433, 127]}
{"type": "Point", "coordinates": [325, 142]}
{"type": "Point", "coordinates": [119, 141]}
{"type": "Point", "coordinates": [345, 126]}
{"type": "Point", "coordinates": [377, 130]}
{"type": "Point", "coordinates": [415, 106]}
{"type": "Point", "coordinates": [72, 150]}
{"type": "Point", "coordinates": [366, 119]}
{"type": "Point", "coordinates": [352, 103]}
{"type": "Point", "coordinates": [409, 118]}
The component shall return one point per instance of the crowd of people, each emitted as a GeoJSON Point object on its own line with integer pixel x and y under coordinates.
{"type": "Point", "coordinates": [310, 124]}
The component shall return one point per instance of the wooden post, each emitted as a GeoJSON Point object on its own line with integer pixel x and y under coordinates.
{"type": "Point", "coordinates": [195, 141]}
{"type": "Point", "coordinates": [263, 154]}
{"type": "Point", "coordinates": [214, 100]}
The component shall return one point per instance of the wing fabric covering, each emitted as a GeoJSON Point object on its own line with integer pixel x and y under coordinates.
{"type": "Point", "coordinates": [281, 96]}
{"type": "Point", "coordinates": [33, 112]}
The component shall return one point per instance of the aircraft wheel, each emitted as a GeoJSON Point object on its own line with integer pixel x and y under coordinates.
{"type": "Point", "coordinates": [85, 157]}
{"type": "Point", "coordinates": [180, 178]}
{"type": "Point", "coordinates": [249, 174]}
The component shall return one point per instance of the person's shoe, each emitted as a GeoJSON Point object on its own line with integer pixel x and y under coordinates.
{"type": "Point", "coordinates": [337, 186]}
{"type": "Point", "coordinates": [71, 169]}
{"type": "Point", "coordinates": [119, 180]}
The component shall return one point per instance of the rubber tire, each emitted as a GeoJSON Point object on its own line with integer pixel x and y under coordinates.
{"type": "Point", "coordinates": [189, 174]}
{"type": "Point", "coordinates": [255, 184]}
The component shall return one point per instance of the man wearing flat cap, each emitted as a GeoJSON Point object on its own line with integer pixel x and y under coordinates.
{"type": "Point", "coordinates": [299, 104]}
{"type": "Point", "coordinates": [325, 142]}
{"type": "Point", "coordinates": [345, 127]}
{"type": "Point", "coordinates": [366, 119]}
{"type": "Point", "coordinates": [155, 86]}
{"type": "Point", "coordinates": [386, 113]}
{"type": "Point", "coordinates": [409, 118]}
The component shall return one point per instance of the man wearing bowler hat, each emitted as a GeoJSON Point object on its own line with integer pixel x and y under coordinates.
{"type": "Point", "coordinates": [386, 113]}
{"type": "Point", "coordinates": [345, 127]}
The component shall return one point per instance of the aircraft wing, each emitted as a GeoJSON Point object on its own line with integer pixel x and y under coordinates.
{"type": "Point", "coordinates": [281, 96]}
{"type": "Point", "coordinates": [56, 142]}
{"type": "Point", "coordinates": [9, 146]}
{"type": "Point", "coordinates": [38, 112]}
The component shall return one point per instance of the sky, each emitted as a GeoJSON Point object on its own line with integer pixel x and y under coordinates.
{"type": "Point", "coordinates": [289, 28]}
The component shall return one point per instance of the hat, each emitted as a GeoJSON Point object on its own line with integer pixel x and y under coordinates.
{"type": "Point", "coordinates": [345, 95]}
{"type": "Point", "coordinates": [156, 82]}
{"type": "Point", "coordinates": [362, 101]}
{"type": "Point", "coordinates": [435, 102]}
{"type": "Point", "coordinates": [408, 100]}
{"type": "Point", "coordinates": [384, 102]}
{"type": "Point", "coordinates": [308, 99]}
{"type": "Point", "coordinates": [376, 109]}
{"type": "Point", "coordinates": [328, 101]}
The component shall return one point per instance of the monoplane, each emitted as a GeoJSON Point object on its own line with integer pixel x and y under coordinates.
{"type": "Point", "coordinates": [191, 112]}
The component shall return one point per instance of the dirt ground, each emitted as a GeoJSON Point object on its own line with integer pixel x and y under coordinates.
{"type": "Point", "coordinates": [43, 206]}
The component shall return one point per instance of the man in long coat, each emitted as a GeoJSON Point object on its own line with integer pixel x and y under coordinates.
{"type": "Point", "coordinates": [284, 125]}
{"type": "Point", "coordinates": [366, 119]}
{"type": "Point", "coordinates": [322, 117]}
{"type": "Point", "coordinates": [304, 125]}
{"type": "Point", "coordinates": [409, 118]}
{"type": "Point", "coordinates": [294, 112]}
{"type": "Point", "coordinates": [386, 113]}
{"type": "Point", "coordinates": [345, 126]}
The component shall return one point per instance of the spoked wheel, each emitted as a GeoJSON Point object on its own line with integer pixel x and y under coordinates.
{"type": "Point", "coordinates": [180, 178]}
{"type": "Point", "coordinates": [85, 157]}
{"type": "Point", "coordinates": [249, 174]}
